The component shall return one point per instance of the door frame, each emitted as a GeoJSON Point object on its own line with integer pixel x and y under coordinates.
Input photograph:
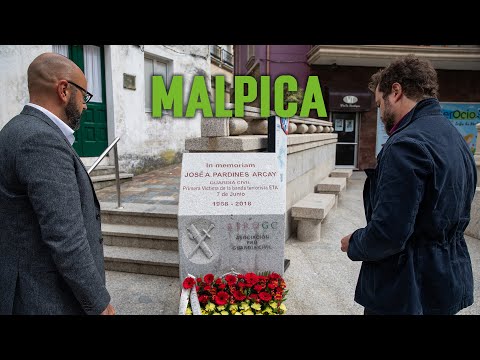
{"type": "Point", "coordinates": [355, 144]}
{"type": "Point", "coordinates": [75, 53]}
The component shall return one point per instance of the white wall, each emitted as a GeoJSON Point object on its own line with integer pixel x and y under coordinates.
{"type": "Point", "coordinates": [14, 61]}
{"type": "Point", "coordinates": [147, 142]}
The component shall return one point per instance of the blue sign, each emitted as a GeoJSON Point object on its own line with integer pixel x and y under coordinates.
{"type": "Point", "coordinates": [464, 116]}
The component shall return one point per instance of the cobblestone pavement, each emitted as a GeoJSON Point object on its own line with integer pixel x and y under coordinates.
{"type": "Point", "coordinates": [155, 187]}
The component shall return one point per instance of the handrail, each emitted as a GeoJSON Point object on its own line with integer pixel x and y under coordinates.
{"type": "Point", "coordinates": [100, 158]}
{"type": "Point", "coordinates": [117, 173]}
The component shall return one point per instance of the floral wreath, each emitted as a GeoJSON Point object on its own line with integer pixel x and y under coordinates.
{"type": "Point", "coordinates": [234, 294]}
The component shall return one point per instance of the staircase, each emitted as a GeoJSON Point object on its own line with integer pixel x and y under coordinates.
{"type": "Point", "coordinates": [104, 175]}
{"type": "Point", "coordinates": [141, 238]}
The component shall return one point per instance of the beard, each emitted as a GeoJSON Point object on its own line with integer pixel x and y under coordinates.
{"type": "Point", "coordinates": [388, 117]}
{"type": "Point", "coordinates": [73, 114]}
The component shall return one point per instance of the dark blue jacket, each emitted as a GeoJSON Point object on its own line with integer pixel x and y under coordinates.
{"type": "Point", "coordinates": [417, 204]}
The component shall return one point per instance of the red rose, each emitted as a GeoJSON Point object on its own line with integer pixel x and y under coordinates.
{"type": "Point", "coordinates": [238, 295]}
{"type": "Point", "coordinates": [251, 278]}
{"type": "Point", "coordinates": [272, 284]}
{"type": "Point", "coordinates": [208, 278]}
{"type": "Point", "coordinates": [258, 287]}
{"type": "Point", "coordinates": [221, 298]}
{"type": "Point", "coordinates": [231, 279]}
{"type": "Point", "coordinates": [203, 299]}
{"type": "Point", "coordinates": [274, 276]}
{"type": "Point", "coordinates": [265, 296]}
{"type": "Point", "coordinates": [188, 282]}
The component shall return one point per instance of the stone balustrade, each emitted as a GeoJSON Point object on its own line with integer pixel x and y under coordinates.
{"type": "Point", "coordinates": [253, 123]}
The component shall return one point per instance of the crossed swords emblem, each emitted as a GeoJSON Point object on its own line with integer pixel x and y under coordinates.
{"type": "Point", "coordinates": [195, 235]}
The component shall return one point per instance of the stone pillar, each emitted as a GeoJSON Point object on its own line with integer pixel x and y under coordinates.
{"type": "Point", "coordinates": [309, 229]}
{"type": "Point", "coordinates": [214, 127]}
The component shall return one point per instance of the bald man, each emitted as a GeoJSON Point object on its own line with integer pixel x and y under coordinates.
{"type": "Point", "coordinates": [51, 252]}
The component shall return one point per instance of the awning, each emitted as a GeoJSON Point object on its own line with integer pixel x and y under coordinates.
{"type": "Point", "coordinates": [350, 100]}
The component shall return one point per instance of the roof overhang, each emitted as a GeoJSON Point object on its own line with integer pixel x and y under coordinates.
{"type": "Point", "coordinates": [449, 57]}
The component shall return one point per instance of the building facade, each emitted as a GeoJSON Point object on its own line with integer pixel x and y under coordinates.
{"type": "Point", "coordinates": [222, 65]}
{"type": "Point", "coordinates": [119, 76]}
{"type": "Point", "coordinates": [344, 72]}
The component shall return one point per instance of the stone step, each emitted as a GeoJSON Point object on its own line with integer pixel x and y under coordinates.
{"type": "Point", "coordinates": [142, 261]}
{"type": "Point", "coordinates": [103, 170]}
{"type": "Point", "coordinates": [101, 181]}
{"type": "Point", "coordinates": [345, 173]}
{"type": "Point", "coordinates": [331, 185]}
{"type": "Point", "coordinates": [149, 237]}
{"type": "Point", "coordinates": [157, 215]}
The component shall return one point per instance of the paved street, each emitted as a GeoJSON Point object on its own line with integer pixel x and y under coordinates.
{"type": "Point", "coordinates": [321, 279]}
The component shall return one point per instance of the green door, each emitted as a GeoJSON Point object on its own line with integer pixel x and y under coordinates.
{"type": "Point", "coordinates": [91, 138]}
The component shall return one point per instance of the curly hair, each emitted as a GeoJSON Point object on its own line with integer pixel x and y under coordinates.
{"type": "Point", "coordinates": [417, 77]}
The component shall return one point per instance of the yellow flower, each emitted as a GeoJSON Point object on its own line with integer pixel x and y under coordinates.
{"type": "Point", "coordinates": [210, 306]}
{"type": "Point", "coordinates": [257, 306]}
{"type": "Point", "coordinates": [244, 305]}
{"type": "Point", "coordinates": [268, 310]}
{"type": "Point", "coordinates": [237, 313]}
{"type": "Point", "coordinates": [188, 311]}
{"type": "Point", "coordinates": [233, 307]}
{"type": "Point", "coordinates": [283, 308]}
{"type": "Point", "coordinates": [248, 312]}
{"type": "Point", "coordinates": [224, 312]}
{"type": "Point", "coordinates": [215, 313]}
{"type": "Point", "coordinates": [221, 307]}
{"type": "Point", "coordinates": [273, 304]}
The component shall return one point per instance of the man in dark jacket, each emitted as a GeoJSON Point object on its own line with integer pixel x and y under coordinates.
{"type": "Point", "coordinates": [51, 252]}
{"type": "Point", "coordinates": [417, 202]}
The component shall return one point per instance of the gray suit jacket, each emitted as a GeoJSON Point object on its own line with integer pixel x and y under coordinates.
{"type": "Point", "coordinates": [51, 252]}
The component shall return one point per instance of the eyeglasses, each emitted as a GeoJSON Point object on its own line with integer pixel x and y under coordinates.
{"type": "Point", "coordinates": [86, 95]}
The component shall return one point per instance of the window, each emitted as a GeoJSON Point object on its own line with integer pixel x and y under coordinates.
{"type": "Point", "coordinates": [216, 51]}
{"type": "Point", "coordinates": [154, 66]}
{"type": "Point", "coordinates": [93, 70]}
{"type": "Point", "coordinates": [61, 49]}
